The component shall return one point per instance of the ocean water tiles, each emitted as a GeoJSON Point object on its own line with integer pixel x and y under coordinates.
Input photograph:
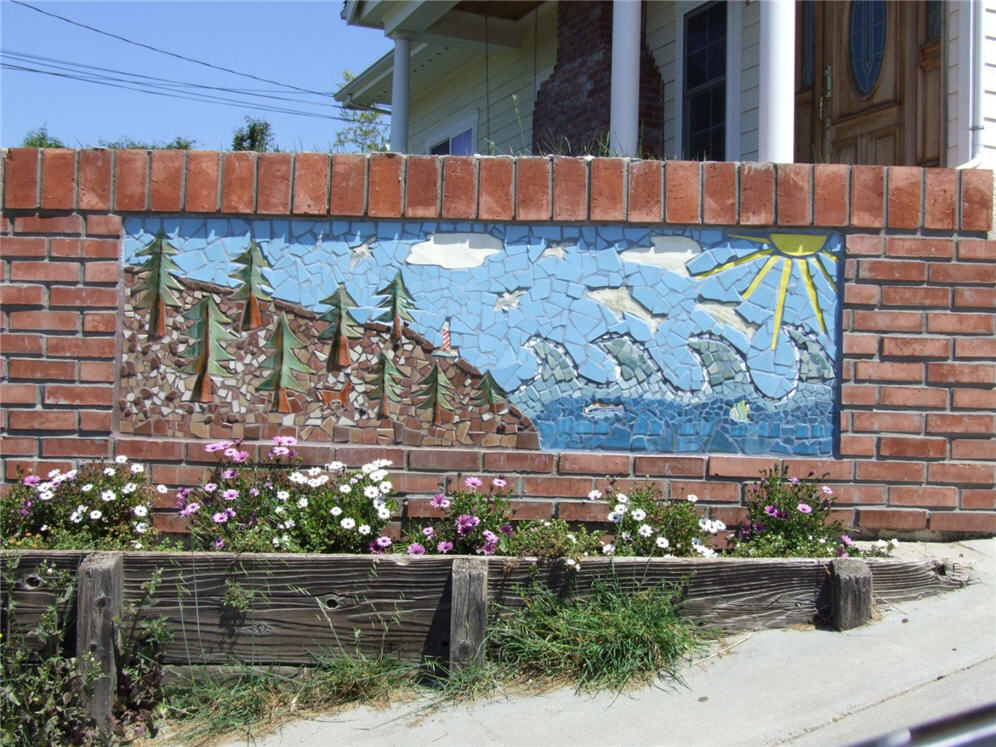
{"type": "Point", "coordinates": [596, 337]}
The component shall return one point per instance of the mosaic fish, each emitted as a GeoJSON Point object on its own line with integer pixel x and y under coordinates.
{"type": "Point", "coordinates": [740, 412]}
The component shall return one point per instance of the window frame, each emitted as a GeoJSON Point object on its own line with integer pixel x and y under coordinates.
{"type": "Point", "coordinates": [454, 129]}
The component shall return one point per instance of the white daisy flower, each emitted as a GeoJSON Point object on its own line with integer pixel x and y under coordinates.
{"type": "Point", "coordinates": [645, 530]}
{"type": "Point", "coordinates": [302, 502]}
{"type": "Point", "coordinates": [662, 542]}
{"type": "Point", "coordinates": [336, 511]}
{"type": "Point", "coordinates": [638, 514]}
{"type": "Point", "coordinates": [137, 469]}
{"type": "Point", "coordinates": [121, 459]}
{"type": "Point", "coordinates": [347, 523]}
{"type": "Point", "coordinates": [594, 495]}
{"type": "Point", "coordinates": [364, 529]}
{"type": "Point", "coordinates": [107, 496]}
{"type": "Point", "coordinates": [383, 513]}
{"type": "Point", "coordinates": [140, 511]}
{"type": "Point", "coordinates": [96, 514]}
{"type": "Point", "coordinates": [141, 527]}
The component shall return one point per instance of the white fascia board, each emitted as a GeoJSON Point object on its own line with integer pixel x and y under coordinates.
{"type": "Point", "coordinates": [375, 76]}
{"type": "Point", "coordinates": [415, 17]}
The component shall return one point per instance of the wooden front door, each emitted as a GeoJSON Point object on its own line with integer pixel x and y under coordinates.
{"type": "Point", "coordinates": [868, 82]}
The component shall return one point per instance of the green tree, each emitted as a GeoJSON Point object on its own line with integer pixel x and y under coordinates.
{"type": "Point", "coordinates": [205, 350]}
{"type": "Point", "coordinates": [284, 363]}
{"type": "Point", "coordinates": [489, 394]}
{"type": "Point", "coordinates": [397, 304]}
{"type": "Point", "coordinates": [436, 391]}
{"type": "Point", "coordinates": [255, 285]}
{"type": "Point", "coordinates": [158, 284]}
{"type": "Point", "coordinates": [39, 138]}
{"type": "Point", "coordinates": [123, 143]}
{"type": "Point", "coordinates": [385, 381]}
{"type": "Point", "coordinates": [365, 131]}
{"type": "Point", "coordinates": [341, 327]}
{"type": "Point", "coordinates": [257, 135]}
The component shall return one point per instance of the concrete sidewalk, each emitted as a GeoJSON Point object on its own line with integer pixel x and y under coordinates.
{"type": "Point", "coordinates": [930, 658]}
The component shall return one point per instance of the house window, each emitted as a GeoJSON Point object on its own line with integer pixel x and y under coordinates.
{"type": "Point", "coordinates": [704, 100]}
{"type": "Point", "coordinates": [460, 144]}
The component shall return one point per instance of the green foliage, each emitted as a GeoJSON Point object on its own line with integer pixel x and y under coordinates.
{"type": "Point", "coordinates": [554, 538]}
{"type": "Point", "coordinates": [647, 524]}
{"type": "Point", "coordinates": [272, 506]}
{"type": "Point", "coordinates": [283, 361]}
{"type": "Point", "coordinates": [99, 506]}
{"type": "Point", "coordinates": [397, 305]}
{"type": "Point", "coordinates": [341, 326]}
{"type": "Point", "coordinates": [609, 638]}
{"type": "Point", "coordinates": [177, 143]}
{"type": "Point", "coordinates": [158, 284]}
{"type": "Point", "coordinates": [39, 138]}
{"type": "Point", "coordinates": [254, 286]}
{"type": "Point", "coordinates": [436, 392]}
{"type": "Point", "coordinates": [489, 394]}
{"type": "Point", "coordinates": [385, 383]}
{"type": "Point", "coordinates": [257, 135]}
{"type": "Point", "coordinates": [790, 517]}
{"type": "Point", "coordinates": [205, 351]}
{"type": "Point", "coordinates": [364, 132]}
{"type": "Point", "coordinates": [474, 522]}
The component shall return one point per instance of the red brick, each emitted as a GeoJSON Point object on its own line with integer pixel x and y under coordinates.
{"type": "Point", "coordinates": [238, 182]}
{"type": "Point", "coordinates": [422, 187]}
{"type": "Point", "coordinates": [906, 295]}
{"type": "Point", "coordinates": [21, 295]}
{"type": "Point", "coordinates": [72, 224]}
{"type": "Point", "coordinates": [719, 200]}
{"type": "Point", "coordinates": [861, 245]}
{"type": "Point", "coordinates": [734, 466]}
{"type": "Point", "coordinates": [975, 298]}
{"type": "Point", "coordinates": [860, 344]}
{"type": "Point", "coordinates": [963, 273]}
{"type": "Point", "coordinates": [712, 490]}
{"type": "Point", "coordinates": [445, 460]}
{"type": "Point", "coordinates": [531, 510]}
{"type": "Point", "coordinates": [34, 466]}
{"type": "Point", "coordinates": [559, 487]}
{"type": "Point", "coordinates": [730, 515]}
{"type": "Point", "coordinates": [594, 464]}
{"type": "Point", "coordinates": [22, 246]}
{"type": "Point", "coordinates": [646, 196]}
{"type": "Point", "coordinates": [311, 183]}
{"type": "Point", "coordinates": [757, 194]}
{"type": "Point", "coordinates": [88, 248]}
{"type": "Point", "coordinates": [975, 449]}
{"type": "Point", "coordinates": [166, 180]}
{"type": "Point", "coordinates": [950, 423]}
{"type": "Point", "coordinates": [961, 373]}
{"type": "Point", "coordinates": [532, 189]}
{"type": "Point", "coordinates": [892, 371]}
{"type": "Point", "coordinates": [171, 523]}
{"type": "Point", "coordinates": [42, 370]}
{"type": "Point", "coordinates": [916, 347]}
{"type": "Point", "coordinates": [959, 521]}
{"type": "Point", "coordinates": [832, 470]}
{"type": "Point", "coordinates": [415, 482]}
{"type": "Point", "coordinates": [74, 447]}
{"type": "Point", "coordinates": [42, 420]}
{"type": "Point", "coordinates": [95, 421]}
{"type": "Point", "coordinates": [913, 396]}
{"type": "Point", "coordinates": [460, 187]}
{"type": "Point", "coordinates": [795, 194]}
{"type": "Point", "coordinates": [909, 447]}
{"type": "Point", "coordinates": [895, 519]}
{"type": "Point", "coordinates": [978, 498]}
{"type": "Point", "coordinates": [18, 394]}
{"type": "Point", "coordinates": [608, 189]}
{"type": "Point", "coordinates": [75, 297]}
{"type": "Point", "coordinates": [349, 183]}
{"type": "Point", "coordinates": [101, 272]}
{"type": "Point", "coordinates": [940, 209]}
{"type": "Point", "coordinates": [904, 196]}
{"type": "Point", "coordinates": [587, 512]}
{"type": "Point", "coordinates": [81, 347]}
{"type": "Point", "coordinates": [961, 323]}
{"type": "Point", "coordinates": [83, 395]}
{"type": "Point", "coordinates": [977, 249]}
{"type": "Point", "coordinates": [148, 450]}
{"type": "Point", "coordinates": [570, 189]}
{"type": "Point", "coordinates": [830, 194]}
{"type": "Point", "coordinates": [21, 170]}
{"type": "Point", "coordinates": [857, 446]}
{"type": "Point", "coordinates": [131, 171]}
{"type": "Point", "coordinates": [861, 295]}
{"type": "Point", "coordinates": [891, 270]}
{"type": "Point", "coordinates": [497, 196]}
{"type": "Point", "coordinates": [203, 170]}
{"type": "Point", "coordinates": [58, 188]}
{"type": "Point", "coordinates": [21, 344]}
{"type": "Point", "coordinates": [669, 466]}
{"type": "Point", "coordinates": [889, 422]}
{"type": "Point", "coordinates": [973, 399]}
{"type": "Point", "coordinates": [386, 179]}
{"type": "Point", "coordinates": [887, 321]}
{"type": "Point", "coordinates": [857, 495]}
{"type": "Point", "coordinates": [858, 395]}
{"type": "Point", "coordinates": [921, 496]}
{"type": "Point", "coordinates": [96, 372]}
{"type": "Point", "coordinates": [45, 321]}
{"type": "Point", "coordinates": [11, 446]}
{"type": "Point", "coordinates": [984, 348]}
{"type": "Point", "coordinates": [867, 196]}
{"type": "Point", "coordinates": [273, 192]}
{"type": "Point", "coordinates": [518, 461]}
{"type": "Point", "coordinates": [921, 248]}
{"type": "Point", "coordinates": [681, 192]}
{"type": "Point", "coordinates": [959, 474]}
{"type": "Point", "coordinates": [976, 199]}
{"type": "Point", "coordinates": [95, 180]}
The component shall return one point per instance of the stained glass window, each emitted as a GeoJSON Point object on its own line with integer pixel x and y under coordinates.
{"type": "Point", "coordinates": [867, 42]}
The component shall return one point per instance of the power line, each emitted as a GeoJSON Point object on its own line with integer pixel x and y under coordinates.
{"type": "Point", "coordinates": [167, 52]}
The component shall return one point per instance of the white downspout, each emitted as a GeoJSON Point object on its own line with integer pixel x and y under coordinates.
{"type": "Point", "coordinates": [624, 99]}
{"type": "Point", "coordinates": [776, 118]}
{"type": "Point", "coordinates": [399, 93]}
{"type": "Point", "coordinates": [978, 78]}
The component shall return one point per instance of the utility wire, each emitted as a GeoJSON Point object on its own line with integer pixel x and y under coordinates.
{"type": "Point", "coordinates": [167, 52]}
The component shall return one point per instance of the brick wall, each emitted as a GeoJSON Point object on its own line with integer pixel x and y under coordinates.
{"type": "Point", "coordinates": [918, 400]}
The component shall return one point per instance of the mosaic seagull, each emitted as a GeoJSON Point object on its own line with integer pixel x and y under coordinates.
{"type": "Point", "coordinates": [509, 300]}
{"type": "Point", "coordinates": [361, 251]}
{"type": "Point", "coordinates": [556, 249]}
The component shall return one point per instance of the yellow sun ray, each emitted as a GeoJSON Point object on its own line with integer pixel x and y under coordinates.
{"type": "Point", "coordinates": [760, 276]}
{"type": "Point", "coordinates": [735, 262]}
{"type": "Point", "coordinates": [807, 281]}
{"type": "Point", "coordinates": [826, 273]}
{"type": "Point", "coordinates": [780, 306]}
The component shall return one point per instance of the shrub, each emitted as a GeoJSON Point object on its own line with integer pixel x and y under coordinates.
{"type": "Point", "coordinates": [554, 538]}
{"type": "Point", "coordinates": [475, 522]}
{"type": "Point", "coordinates": [98, 506]}
{"type": "Point", "coordinates": [273, 505]}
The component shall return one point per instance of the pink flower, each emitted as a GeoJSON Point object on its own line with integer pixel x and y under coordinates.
{"type": "Point", "coordinates": [804, 508]}
{"type": "Point", "coordinates": [439, 501]}
{"type": "Point", "coordinates": [32, 480]}
{"type": "Point", "coordinates": [230, 474]}
{"type": "Point", "coordinates": [190, 508]}
{"type": "Point", "coordinates": [220, 518]}
{"type": "Point", "coordinates": [506, 529]}
{"type": "Point", "coordinates": [285, 440]}
{"type": "Point", "coordinates": [210, 487]}
{"type": "Point", "coordinates": [230, 495]}
{"type": "Point", "coordinates": [236, 455]}
{"type": "Point", "coordinates": [794, 481]}
{"type": "Point", "coordinates": [473, 483]}
{"type": "Point", "coordinates": [826, 490]}
{"type": "Point", "coordinates": [466, 523]}
{"type": "Point", "coordinates": [499, 482]}
{"type": "Point", "coordinates": [279, 451]}
{"type": "Point", "coordinates": [846, 541]}
{"type": "Point", "coordinates": [429, 533]}
{"type": "Point", "coordinates": [383, 542]}
{"type": "Point", "coordinates": [416, 549]}
{"type": "Point", "coordinates": [219, 543]}
{"type": "Point", "coordinates": [218, 446]}
{"type": "Point", "coordinates": [444, 546]}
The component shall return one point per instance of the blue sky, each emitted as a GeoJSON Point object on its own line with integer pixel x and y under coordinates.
{"type": "Point", "coordinates": [305, 44]}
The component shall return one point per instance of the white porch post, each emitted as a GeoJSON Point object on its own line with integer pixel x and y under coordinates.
{"type": "Point", "coordinates": [776, 120]}
{"type": "Point", "coordinates": [399, 93]}
{"type": "Point", "coordinates": [624, 106]}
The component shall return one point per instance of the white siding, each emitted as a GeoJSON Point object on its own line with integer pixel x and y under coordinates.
{"type": "Point", "coordinates": [954, 73]}
{"type": "Point", "coordinates": [661, 33]}
{"type": "Point", "coordinates": [958, 85]}
{"type": "Point", "coordinates": [505, 85]}
{"type": "Point", "coordinates": [750, 99]}
{"type": "Point", "coordinates": [989, 76]}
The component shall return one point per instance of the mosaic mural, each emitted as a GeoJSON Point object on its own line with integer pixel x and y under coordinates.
{"type": "Point", "coordinates": [558, 337]}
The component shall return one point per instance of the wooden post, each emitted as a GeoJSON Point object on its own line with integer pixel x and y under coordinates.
{"type": "Point", "coordinates": [850, 593]}
{"type": "Point", "coordinates": [98, 602]}
{"type": "Point", "coordinates": [468, 613]}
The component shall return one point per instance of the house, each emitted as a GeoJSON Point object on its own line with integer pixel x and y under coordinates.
{"type": "Point", "coordinates": [865, 81]}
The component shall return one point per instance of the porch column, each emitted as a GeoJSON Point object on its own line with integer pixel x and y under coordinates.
{"type": "Point", "coordinates": [399, 93]}
{"type": "Point", "coordinates": [624, 106]}
{"type": "Point", "coordinates": [776, 120]}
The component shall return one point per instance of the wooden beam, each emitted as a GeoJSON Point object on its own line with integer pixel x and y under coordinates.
{"type": "Point", "coordinates": [468, 613]}
{"type": "Point", "coordinates": [98, 603]}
